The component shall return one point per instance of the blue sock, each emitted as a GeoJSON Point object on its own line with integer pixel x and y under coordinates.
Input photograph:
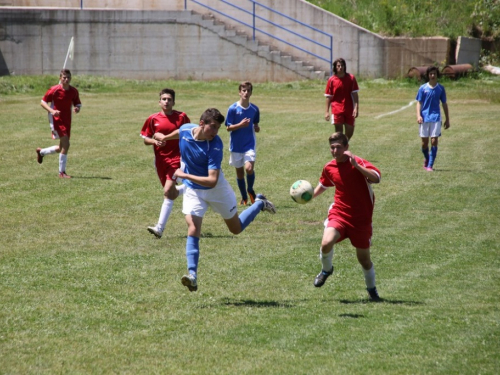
{"type": "Point", "coordinates": [247, 216]}
{"type": "Point", "coordinates": [250, 182]}
{"type": "Point", "coordinates": [192, 254]}
{"type": "Point", "coordinates": [242, 187]}
{"type": "Point", "coordinates": [425, 151]}
{"type": "Point", "coordinates": [432, 156]}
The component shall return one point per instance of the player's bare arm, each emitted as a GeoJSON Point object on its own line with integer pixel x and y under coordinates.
{"type": "Point", "coordinates": [420, 120]}
{"type": "Point", "coordinates": [328, 106]}
{"type": "Point", "coordinates": [370, 174]}
{"type": "Point", "coordinates": [162, 137]}
{"type": "Point", "coordinates": [355, 100]}
{"type": "Point", "coordinates": [52, 111]}
{"type": "Point", "coordinates": [242, 124]}
{"type": "Point", "coordinates": [209, 181]}
{"type": "Point", "coordinates": [256, 127]}
{"type": "Point", "coordinates": [318, 190]}
{"type": "Point", "coordinates": [446, 116]}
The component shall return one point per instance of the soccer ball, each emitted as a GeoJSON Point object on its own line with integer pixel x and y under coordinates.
{"type": "Point", "coordinates": [301, 191]}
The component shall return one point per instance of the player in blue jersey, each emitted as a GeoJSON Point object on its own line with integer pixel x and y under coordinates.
{"type": "Point", "coordinates": [428, 99]}
{"type": "Point", "coordinates": [201, 153]}
{"type": "Point", "coordinates": [242, 123]}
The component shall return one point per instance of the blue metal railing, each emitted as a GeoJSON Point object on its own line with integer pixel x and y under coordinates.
{"type": "Point", "coordinates": [329, 48]}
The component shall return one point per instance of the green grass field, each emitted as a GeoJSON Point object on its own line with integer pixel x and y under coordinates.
{"type": "Point", "coordinates": [84, 288]}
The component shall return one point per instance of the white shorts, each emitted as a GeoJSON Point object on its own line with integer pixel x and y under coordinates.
{"type": "Point", "coordinates": [430, 129]}
{"type": "Point", "coordinates": [238, 159]}
{"type": "Point", "coordinates": [221, 198]}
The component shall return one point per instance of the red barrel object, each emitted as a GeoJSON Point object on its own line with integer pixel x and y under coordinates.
{"type": "Point", "coordinates": [417, 72]}
{"type": "Point", "coordinates": [455, 71]}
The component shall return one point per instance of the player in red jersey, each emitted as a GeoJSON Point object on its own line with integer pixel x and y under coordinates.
{"type": "Point", "coordinates": [62, 98]}
{"type": "Point", "coordinates": [350, 216]}
{"type": "Point", "coordinates": [161, 130]}
{"type": "Point", "coordinates": [342, 97]}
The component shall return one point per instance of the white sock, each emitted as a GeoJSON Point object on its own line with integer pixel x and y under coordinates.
{"type": "Point", "coordinates": [48, 150]}
{"type": "Point", "coordinates": [326, 260]}
{"type": "Point", "coordinates": [369, 277]}
{"type": "Point", "coordinates": [166, 209]}
{"type": "Point", "coordinates": [62, 162]}
{"type": "Point", "coordinates": [181, 188]}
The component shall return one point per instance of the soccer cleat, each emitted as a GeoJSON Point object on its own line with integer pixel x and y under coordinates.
{"type": "Point", "coordinates": [252, 195]}
{"type": "Point", "coordinates": [243, 202]}
{"type": "Point", "coordinates": [39, 156]}
{"type": "Point", "coordinates": [426, 163]}
{"type": "Point", "coordinates": [373, 294]}
{"type": "Point", "coordinates": [154, 230]}
{"type": "Point", "coordinates": [268, 206]}
{"type": "Point", "coordinates": [63, 175]}
{"type": "Point", "coordinates": [190, 281]}
{"type": "Point", "coordinates": [321, 278]}
{"type": "Point", "coordinates": [429, 169]}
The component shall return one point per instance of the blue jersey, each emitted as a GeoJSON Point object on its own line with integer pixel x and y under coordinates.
{"type": "Point", "coordinates": [429, 97]}
{"type": "Point", "coordinates": [199, 156]}
{"type": "Point", "coordinates": [243, 139]}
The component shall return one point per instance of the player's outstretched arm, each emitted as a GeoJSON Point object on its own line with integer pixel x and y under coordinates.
{"type": "Point", "coordinates": [208, 181]}
{"type": "Point", "coordinates": [318, 190]}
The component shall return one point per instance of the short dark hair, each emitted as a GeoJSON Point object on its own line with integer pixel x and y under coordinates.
{"type": "Point", "coordinates": [341, 61]}
{"type": "Point", "coordinates": [65, 72]}
{"type": "Point", "coordinates": [245, 84]}
{"type": "Point", "coordinates": [430, 69]}
{"type": "Point", "coordinates": [212, 114]}
{"type": "Point", "coordinates": [338, 136]}
{"type": "Point", "coordinates": [168, 91]}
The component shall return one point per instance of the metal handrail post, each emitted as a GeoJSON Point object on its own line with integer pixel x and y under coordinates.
{"type": "Point", "coordinates": [254, 21]}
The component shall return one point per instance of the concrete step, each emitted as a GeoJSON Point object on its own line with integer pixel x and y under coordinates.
{"type": "Point", "coordinates": [263, 50]}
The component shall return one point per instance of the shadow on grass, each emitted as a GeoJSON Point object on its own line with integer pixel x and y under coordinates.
{"type": "Point", "coordinates": [355, 316]}
{"type": "Point", "coordinates": [90, 178]}
{"type": "Point", "coordinates": [252, 303]}
{"type": "Point", "coordinates": [382, 300]}
{"type": "Point", "coordinates": [211, 235]}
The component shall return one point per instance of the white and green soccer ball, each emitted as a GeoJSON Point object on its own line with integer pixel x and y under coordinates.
{"type": "Point", "coordinates": [301, 191]}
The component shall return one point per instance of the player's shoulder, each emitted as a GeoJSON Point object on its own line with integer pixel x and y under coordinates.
{"type": "Point", "coordinates": [179, 113]}
{"type": "Point", "coordinates": [187, 127]}
{"type": "Point", "coordinates": [253, 106]}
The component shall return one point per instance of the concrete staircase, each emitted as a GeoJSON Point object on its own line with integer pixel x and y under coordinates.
{"type": "Point", "coordinates": [243, 38]}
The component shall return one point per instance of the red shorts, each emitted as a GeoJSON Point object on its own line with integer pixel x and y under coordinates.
{"type": "Point", "coordinates": [166, 169]}
{"type": "Point", "coordinates": [360, 237]}
{"type": "Point", "coordinates": [59, 131]}
{"type": "Point", "coordinates": [343, 118]}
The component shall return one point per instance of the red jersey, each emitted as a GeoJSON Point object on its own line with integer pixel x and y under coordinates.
{"type": "Point", "coordinates": [341, 89]}
{"type": "Point", "coordinates": [354, 199]}
{"type": "Point", "coordinates": [62, 100]}
{"type": "Point", "coordinates": [160, 123]}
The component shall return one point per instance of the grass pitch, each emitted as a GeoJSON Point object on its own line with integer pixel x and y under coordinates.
{"type": "Point", "coordinates": [86, 289]}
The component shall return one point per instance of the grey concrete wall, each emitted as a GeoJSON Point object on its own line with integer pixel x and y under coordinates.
{"type": "Point", "coordinates": [128, 44]}
{"type": "Point", "coordinates": [367, 54]}
{"type": "Point", "coordinates": [468, 51]}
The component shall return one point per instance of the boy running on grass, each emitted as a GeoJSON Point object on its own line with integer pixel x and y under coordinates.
{"type": "Point", "coordinates": [206, 186]}
{"type": "Point", "coordinates": [350, 216]}
{"type": "Point", "coordinates": [429, 115]}
{"type": "Point", "coordinates": [157, 131]}
{"type": "Point", "coordinates": [242, 122]}
{"type": "Point", "coordinates": [62, 98]}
